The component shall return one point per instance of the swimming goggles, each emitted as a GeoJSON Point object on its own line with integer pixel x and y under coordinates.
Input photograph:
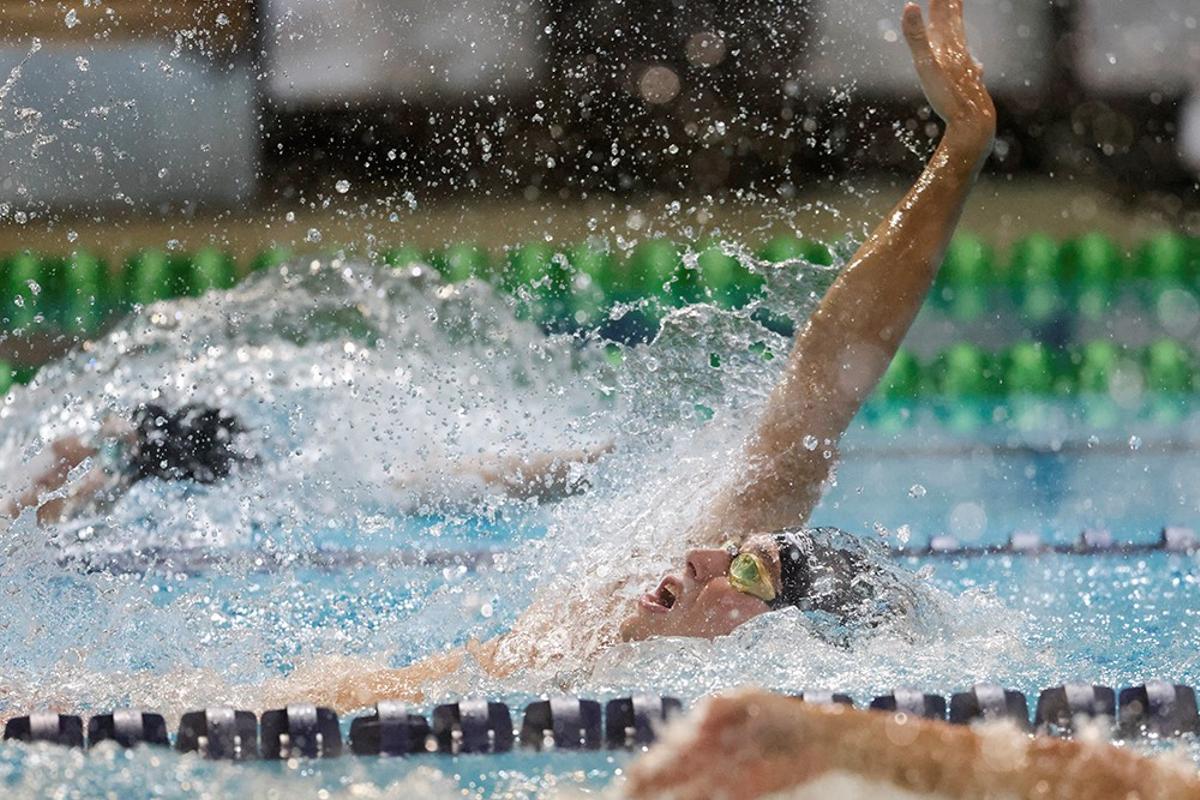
{"type": "Point", "coordinates": [748, 574]}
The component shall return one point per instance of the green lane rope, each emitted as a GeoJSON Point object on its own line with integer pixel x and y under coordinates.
{"type": "Point", "coordinates": [1033, 368]}
{"type": "Point", "coordinates": [1042, 279]}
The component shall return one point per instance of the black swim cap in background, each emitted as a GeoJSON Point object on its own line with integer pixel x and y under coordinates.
{"type": "Point", "coordinates": [195, 443]}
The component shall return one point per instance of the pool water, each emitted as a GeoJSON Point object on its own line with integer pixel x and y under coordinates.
{"type": "Point", "coordinates": [1110, 619]}
{"type": "Point", "coordinates": [208, 594]}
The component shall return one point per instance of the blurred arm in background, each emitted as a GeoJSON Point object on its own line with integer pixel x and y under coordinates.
{"type": "Point", "coordinates": [44, 478]}
{"type": "Point", "coordinates": [543, 476]}
{"type": "Point", "coordinates": [44, 482]}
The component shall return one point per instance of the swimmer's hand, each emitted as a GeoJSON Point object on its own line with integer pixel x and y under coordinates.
{"type": "Point", "coordinates": [951, 78]}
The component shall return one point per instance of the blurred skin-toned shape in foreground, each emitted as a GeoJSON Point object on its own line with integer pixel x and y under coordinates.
{"type": "Point", "coordinates": [751, 744]}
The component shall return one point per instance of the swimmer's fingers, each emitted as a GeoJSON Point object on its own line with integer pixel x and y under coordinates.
{"type": "Point", "coordinates": [918, 42]}
{"type": "Point", "coordinates": [946, 20]}
{"type": "Point", "coordinates": [952, 80]}
{"type": "Point", "coordinates": [929, 71]}
{"type": "Point", "coordinates": [949, 35]}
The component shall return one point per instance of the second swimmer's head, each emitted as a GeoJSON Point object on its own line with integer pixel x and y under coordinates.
{"type": "Point", "coordinates": [196, 443]}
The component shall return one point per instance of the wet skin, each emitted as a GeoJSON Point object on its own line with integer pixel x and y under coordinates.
{"type": "Point", "coordinates": [701, 602]}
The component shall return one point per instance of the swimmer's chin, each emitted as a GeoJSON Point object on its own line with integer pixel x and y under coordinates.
{"type": "Point", "coordinates": [639, 626]}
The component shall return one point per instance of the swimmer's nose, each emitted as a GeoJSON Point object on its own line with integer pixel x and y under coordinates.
{"type": "Point", "coordinates": [704, 565]}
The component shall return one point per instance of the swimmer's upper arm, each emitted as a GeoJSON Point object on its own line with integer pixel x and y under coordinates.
{"type": "Point", "coordinates": [843, 350]}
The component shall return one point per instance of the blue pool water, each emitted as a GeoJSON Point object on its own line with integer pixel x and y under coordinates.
{"type": "Point", "coordinates": [1115, 620]}
{"type": "Point", "coordinates": [223, 596]}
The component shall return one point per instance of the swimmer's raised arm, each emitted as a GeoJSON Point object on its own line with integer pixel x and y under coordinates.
{"type": "Point", "coordinates": [844, 349]}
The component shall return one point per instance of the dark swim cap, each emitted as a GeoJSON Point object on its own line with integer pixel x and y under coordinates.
{"type": "Point", "coordinates": [794, 577]}
{"type": "Point", "coordinates": [828, 570]}
{"type": "Point", "coordinates": [194, 443]}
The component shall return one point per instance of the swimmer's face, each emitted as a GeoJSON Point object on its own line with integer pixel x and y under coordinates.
{"type": "Point", "coordinates": [701, 602]}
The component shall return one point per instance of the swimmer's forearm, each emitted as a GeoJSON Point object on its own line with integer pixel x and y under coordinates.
{"type": "Point", "coordinates": [850, 339]}
{"type": "Point", "coordinates": [753, 743]}
{"type": "Point", "coordinates": [346, 685]}
{"type": "Point", "coordinates": [846, 346]}
{"type": "Point", "coordinates": [848, 342]}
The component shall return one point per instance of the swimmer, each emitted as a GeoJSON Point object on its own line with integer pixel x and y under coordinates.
{"type": "Point", "coordinates": [752, 744]}
{"type": "Point", "coordinates": [195, 443]}
{"type": "Point", "coordinates": [756, 555]}
{"type": "Point", "coordinates": [204, 445]}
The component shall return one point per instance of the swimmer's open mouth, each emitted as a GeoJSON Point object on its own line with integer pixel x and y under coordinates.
{"type": "Point", "coordinates": [663, 598]}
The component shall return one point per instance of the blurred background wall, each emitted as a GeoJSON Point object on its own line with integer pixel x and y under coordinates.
{"type": "Point", "coordinates": [184, 104]}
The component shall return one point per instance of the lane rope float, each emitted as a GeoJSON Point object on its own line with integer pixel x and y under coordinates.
{"type": "Point", "coordinates": [1157, 708]}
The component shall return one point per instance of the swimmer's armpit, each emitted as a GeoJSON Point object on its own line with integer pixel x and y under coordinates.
{"type": "Point", "coordinates": [752, 743]}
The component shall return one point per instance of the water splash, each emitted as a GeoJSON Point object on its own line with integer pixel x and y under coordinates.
{"type": "Point", "coordinates": [363, 390]}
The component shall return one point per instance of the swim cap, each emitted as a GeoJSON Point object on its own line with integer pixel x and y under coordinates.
{"type": "Point", "coordinates": [838, 574]}
{"type": "Point", "coordinates": [194, 443]}
{"type": "Point", "coordinates": [794, 577]}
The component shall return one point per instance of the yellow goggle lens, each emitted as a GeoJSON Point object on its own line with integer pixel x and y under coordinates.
{"type": "Point", "coordinates": [748, 575]}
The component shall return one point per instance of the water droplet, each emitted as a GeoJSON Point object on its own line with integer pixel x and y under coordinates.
{"type": "Point", "coordinates": [313, 235]}
{"type": "Point", "coordinates": [173, 244]}
{"type": "Point", "coordinates": [82, 63]}
{"type": "Point", "coordinates": [810, 442]}
{"type": "Point", "coordinates": [342, 186]}
{"type": "Point", "coordinates": [162, 173]}
{"type": "Point", "coordinates": [916, 490]}
{"type": "Point", "coordinates": [222, 19]}
{"type": "Point", "coordinates": [72, 19]}
{"type": "Point", "coordinates": [290, 216]}
{"type": "Point", "coordinates": [1135, 442]}
{"type": "Point", "coordinates": [72, 236]}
